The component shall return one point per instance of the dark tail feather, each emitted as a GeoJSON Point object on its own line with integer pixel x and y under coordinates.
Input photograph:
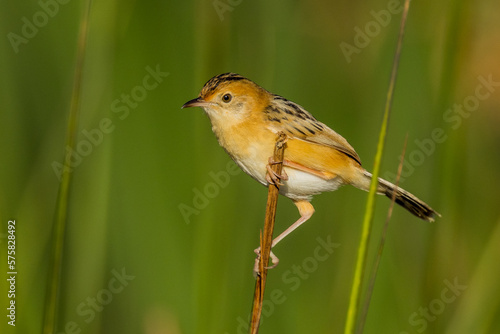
{"type": "Point", "coordinates": [408, 201]}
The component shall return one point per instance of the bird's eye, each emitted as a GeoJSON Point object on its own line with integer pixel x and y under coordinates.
{"type": "Point", "coordinates": [227, 98]}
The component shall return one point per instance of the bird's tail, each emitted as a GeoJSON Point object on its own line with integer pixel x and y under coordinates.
{"type": "Point", "coordinates": [408, 201]}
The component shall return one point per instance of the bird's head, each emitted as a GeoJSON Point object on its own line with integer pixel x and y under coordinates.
{"type": "Point", "coordinates": [230, 97]}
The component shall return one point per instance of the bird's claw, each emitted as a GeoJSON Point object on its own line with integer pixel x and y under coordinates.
{"type": "Point", "coordinates": [272, 177]}
{"type": "Point", "coordinates": [274, 262]}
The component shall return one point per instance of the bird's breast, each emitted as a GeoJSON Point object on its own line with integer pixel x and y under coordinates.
{"type": "Point", "coordinates": [249, 145]}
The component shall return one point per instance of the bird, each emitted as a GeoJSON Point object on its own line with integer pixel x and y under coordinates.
{"type": "Point", "coordinates": [246, 120]}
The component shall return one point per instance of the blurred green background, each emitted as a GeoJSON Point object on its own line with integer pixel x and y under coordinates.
{"type": "Point", "coordinates": [146, 253]}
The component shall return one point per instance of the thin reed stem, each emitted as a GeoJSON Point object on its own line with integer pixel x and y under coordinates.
{"type": "Point", "coordinates": [355, 297]}
{"type": "Point", "coordinates": [266, 237]}
{"type": "Point", "coordinates": [61, 212]}
{"type": "Point", "coordinates": [373, 275]}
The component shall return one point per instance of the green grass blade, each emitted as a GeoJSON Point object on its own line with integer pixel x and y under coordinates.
{"type": "Point", "coordinates": [354, 300]}
{"type": "Point", "coordinates": [373, 275]}
{"type": "Point", "coordinates": [61, 212]}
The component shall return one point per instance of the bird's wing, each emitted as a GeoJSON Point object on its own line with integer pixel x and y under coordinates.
{"type": "Point", "coordinates": [297, 123]}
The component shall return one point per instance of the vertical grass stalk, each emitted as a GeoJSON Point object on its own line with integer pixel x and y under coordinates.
{"type": "Point", "coordinates": [354, 300]}
{"type": "Point", "coordinates": [373, 276]}
{"type": "Point", "coordinates": [61, 211]}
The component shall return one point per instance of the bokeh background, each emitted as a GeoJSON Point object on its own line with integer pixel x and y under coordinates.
{"type": "Point", "coordinates": [146, 253]}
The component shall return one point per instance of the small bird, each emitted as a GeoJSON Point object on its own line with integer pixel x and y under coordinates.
{"type": "Point", "coordinates": [246, 120]}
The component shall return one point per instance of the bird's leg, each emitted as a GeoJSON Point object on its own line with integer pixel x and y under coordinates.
{"type": "Point", "coordinates": [306, 210]}
{"type": "Point", "coordinates": [272, 177]}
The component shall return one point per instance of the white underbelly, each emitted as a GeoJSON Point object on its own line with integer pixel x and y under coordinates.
{"type": "Point", "coordinates": [300, 185]}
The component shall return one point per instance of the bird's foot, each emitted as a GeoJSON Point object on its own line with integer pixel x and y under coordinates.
{"type": "Point", "coordinates": [272, 177]}
{"type": "Point", "coordinates": [274, 262]}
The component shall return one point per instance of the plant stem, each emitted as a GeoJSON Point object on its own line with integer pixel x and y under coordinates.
{"type": "Point", "coordinates": [266, 237]}
{"type": "Point", "coordinates": [374, 272]}
{"type": "Point", "coordinates": [354, 301]}
{"type": "Point", "coordinates": [61, 212]}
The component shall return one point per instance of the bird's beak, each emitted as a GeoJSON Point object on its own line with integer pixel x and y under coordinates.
{"type": "Point", "coordinates": [198, 102]}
